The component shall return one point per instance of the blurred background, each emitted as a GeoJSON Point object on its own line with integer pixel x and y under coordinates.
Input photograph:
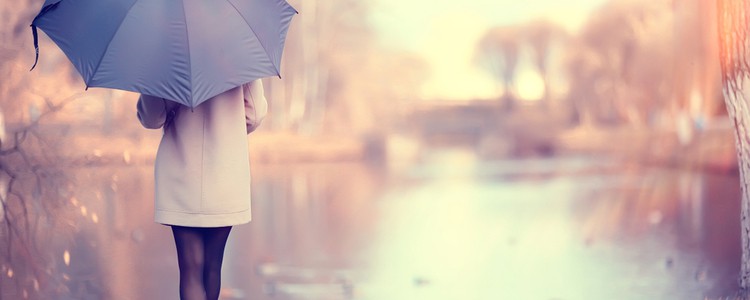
{"type": "Point", "coordinates": [476, 149]}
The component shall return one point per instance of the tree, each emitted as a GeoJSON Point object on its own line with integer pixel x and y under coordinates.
{"type": "Point", "coordinates": [619, 63]}
{"type": "Point", "coordinates": [498, 53]}
{"type": "Point", "coordinates": [734, 52]}
{"type": "Point", "coordinates": [541, 35]}
{"type": "Point", "coordinates": [35, 190]}
{"type": "Point", "coordinates": [333, 78]}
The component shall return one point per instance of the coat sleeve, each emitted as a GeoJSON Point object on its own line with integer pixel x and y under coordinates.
{"type": "Point", "coordinates": [153, 111]}
{"type": "Point", "coordinates": [256, 106]}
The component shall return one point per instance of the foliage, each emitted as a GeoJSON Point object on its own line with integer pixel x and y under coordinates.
{"type": "Point", "coordinates": [633, 62]}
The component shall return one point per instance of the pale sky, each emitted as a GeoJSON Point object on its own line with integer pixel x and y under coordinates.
{"type": "Point", "coordinates": [445, 34]}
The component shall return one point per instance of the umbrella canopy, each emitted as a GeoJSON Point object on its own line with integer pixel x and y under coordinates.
{"type": "Point", "coordinates": [182, 50]}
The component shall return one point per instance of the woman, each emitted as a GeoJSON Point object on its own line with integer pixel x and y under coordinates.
{"type": "Point", "coordinates": [202, 177]}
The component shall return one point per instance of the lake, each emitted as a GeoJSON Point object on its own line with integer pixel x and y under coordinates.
{"type": "Point", "coordinates": [449, 226]}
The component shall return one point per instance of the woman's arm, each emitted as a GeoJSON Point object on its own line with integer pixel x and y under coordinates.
{"type": "Point", "coordinates": [256, 106]}
{"type": "Point", "coordinates": [152, 111]}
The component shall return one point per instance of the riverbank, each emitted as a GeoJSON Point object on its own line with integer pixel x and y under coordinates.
{"type": "Point", "coordinates": [265, 147]}
{"type": "Point", "coordinates": [712, 149]}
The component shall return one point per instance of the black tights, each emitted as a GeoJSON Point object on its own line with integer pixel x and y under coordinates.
{"type": "Point", "coordinates": [200, 252]}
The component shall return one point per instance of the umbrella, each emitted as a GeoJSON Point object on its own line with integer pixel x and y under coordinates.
{"type": "Point", "coordinates": [182, 50]}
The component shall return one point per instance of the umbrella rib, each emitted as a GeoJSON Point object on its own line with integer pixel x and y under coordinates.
{"type": "Point", "coordinates": [189, 57]}
{"type": "Point", "coordinates": [278, 72]}
{"type": "Point", "coordinates": [109, 43]}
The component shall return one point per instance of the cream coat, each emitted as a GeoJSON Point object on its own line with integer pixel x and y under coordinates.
{"type": "Point", "coordinates": [202, 170]}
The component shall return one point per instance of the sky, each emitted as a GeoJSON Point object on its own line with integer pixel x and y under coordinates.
{"type": "Point", "coordinates": [445, 34]}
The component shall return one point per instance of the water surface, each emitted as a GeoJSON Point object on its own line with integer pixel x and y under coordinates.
{"type": "Point", "coordinates": [448, 227]}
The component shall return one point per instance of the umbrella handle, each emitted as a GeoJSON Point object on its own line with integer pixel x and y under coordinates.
{"type": "Point", "coordinates": [36, 45]}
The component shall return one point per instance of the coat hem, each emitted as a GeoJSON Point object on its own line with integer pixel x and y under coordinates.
{"type": "Point", "coordinates": [166, 217]}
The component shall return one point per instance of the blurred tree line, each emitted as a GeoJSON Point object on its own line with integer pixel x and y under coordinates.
{"type": "Point", "coordinates": [336, 77]}
{"type": "Point", "coordinates": [633, 62]}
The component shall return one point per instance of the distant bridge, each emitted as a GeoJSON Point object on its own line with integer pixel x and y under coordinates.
{"type": "Point", "coordinates": [488, 126]}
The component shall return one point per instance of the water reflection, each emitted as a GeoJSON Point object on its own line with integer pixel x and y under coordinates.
{"type": "Point", "coordinates": [449, 227]}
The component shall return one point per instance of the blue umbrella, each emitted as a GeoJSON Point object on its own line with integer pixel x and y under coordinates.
{"type": "Point", "coordinates": [182, 50]}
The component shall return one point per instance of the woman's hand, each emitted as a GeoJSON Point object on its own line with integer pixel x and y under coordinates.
{"type": "Point", "coordinates": [256, 106]}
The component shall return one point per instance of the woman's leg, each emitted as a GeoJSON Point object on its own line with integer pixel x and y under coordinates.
{"type": "Point", "coordinates": [190, 258]}
{"type": "Point", "coordinates": [214, 241]}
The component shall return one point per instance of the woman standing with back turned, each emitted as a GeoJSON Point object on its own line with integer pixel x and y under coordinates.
{"type": "Point", "coordinates": [202, 177]}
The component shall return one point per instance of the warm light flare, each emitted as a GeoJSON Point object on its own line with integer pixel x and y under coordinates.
{"type": "Point", "coordinates": [530, 85]}
{"type": "Point", "coordinates": [66, 257]}
{"type": "Point", "coordinates": [84, 211]}
{"type": "Point", "coordinates": [126, 156]}
{"type": "Point", "coordinates": [115, 179]}
{"type": "Point", "coordinates": [94, 218]}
